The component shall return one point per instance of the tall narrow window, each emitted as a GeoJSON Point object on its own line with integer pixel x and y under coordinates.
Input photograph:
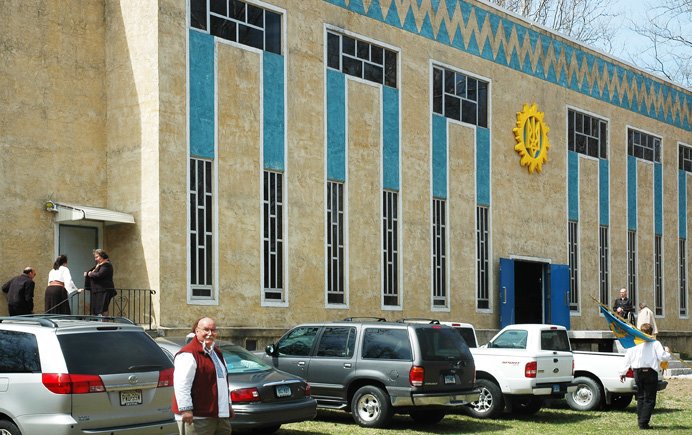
{"type": "Point", "coordinates": [390, 248]}
{"type": "Point", "coordinates": [439, 233]}
{"type": "Point", "coordinates": [632, 266]}
{"type": "Point", "coordinates": [573, 266]}
{"type": "Point", "coordinates": [201, 229]}
{"type": "Point", "coordinates": [273, 237]}
{"type": "Point", "coordinates": [335, 243]}
{"type": "Point", "coordinates": [683, 278]}
{"type": "Point", "coordinates": [604, 274]}
{"type": "Point", "coordinates": [482, 256]}
{"type": "Point", "coordinates": [658, 277]}
{"type": "Point", "coordinates": [587, 134]}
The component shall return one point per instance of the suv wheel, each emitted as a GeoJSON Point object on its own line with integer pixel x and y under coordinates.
{"type": "Point", "coordinates": [370, 407]}
{"type": "Point", "coordinates": [490, 403]}
{"type": "Point", "coordinates": [8, 428]}
{"type": "Point", "coordinates": [427, 417]}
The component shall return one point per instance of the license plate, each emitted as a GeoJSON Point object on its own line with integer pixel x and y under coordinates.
{"type": "Point", "coordinates": [450, 379]}
{"type": "Point", "coordinates": [556, 388]}
{"type": "Point", "coordinates": [283, 391]}
{"type": "Point", "coordinates": [131, 398]}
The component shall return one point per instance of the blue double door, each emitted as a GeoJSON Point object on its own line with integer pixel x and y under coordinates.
{"type": "Point", "coordinates": [533, 292]}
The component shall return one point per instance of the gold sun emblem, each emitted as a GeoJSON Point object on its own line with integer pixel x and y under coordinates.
{"type": "Point", "coordinates": [531, 134]}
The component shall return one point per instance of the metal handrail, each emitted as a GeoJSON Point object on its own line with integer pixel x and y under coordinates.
{"type": "Point", "coordinates": [132, 303]}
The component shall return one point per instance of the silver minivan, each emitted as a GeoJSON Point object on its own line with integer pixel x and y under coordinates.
{"type": "Point", "coordinates": [82, 374]}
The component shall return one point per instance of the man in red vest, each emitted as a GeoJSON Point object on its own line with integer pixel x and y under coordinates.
{"type": "Point", "coordinates": [201, 401]}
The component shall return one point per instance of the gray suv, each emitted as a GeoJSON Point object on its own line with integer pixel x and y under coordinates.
{"type": "Point", "coordinates": [82, 374]}
{"type": "Point", "coordinates": [376, 368]}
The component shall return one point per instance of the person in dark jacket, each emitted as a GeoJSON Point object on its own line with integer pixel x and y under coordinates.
{"type": "Point", "coordinates": [623, 306]}
{"type": "Point", "coordinates": [101, 283]}
{"type": "Point", "coordinates": [201, 401]}
{"type": "Point", "coordinates": [20, 293]}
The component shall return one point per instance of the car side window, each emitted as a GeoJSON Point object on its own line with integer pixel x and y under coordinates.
{"type": "Point", "coordinates": [19, 353]}
{"type": "Point", "coordinates": [513, 339]}
{"type": "Point", "coordinates": [337, 341]}
{"type": "Point", "coordinates": [299, 341]}
{"type": "Point", "coordinates": [383, 343]}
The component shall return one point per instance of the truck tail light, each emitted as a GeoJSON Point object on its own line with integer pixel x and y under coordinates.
{"type": "Point", "coordinates": [245, 395]}
{"type": "Point", "coordinates": [630, 373]}
{"type": "Point", "coordinates": [416, 376]}
{"type": "Point", "coordinates": [166, 378]}
{"type": "Point", "coordinates": [530, 369]}
{"type": "Point", "coordinates": [572, 367]}
{"type": "Point", "coordinates": [63, 383]}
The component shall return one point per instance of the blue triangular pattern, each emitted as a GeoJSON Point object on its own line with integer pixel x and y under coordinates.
{"type": "Point", "coordinates": [375, 10]}
{"type": "Point", "coordinates": [442, 35]}
{"type": "Point", "coordinates": [451, 7]}
{"type": "Point", "coordinates": [561, 75]}
{"type": "Point", "coordinates": [473, 46]}
{"type": "Point", "coordinates": [487, 50]}
{"type": "Point", "coordinates": [551, 73]}
{"type": "Point", "coordinates": [410, 22]}
{"type": "Point", "coordinates": [341, 3]}
{"type": "Point", "coordinates": [426, 29]}
{"type": "Point", "coordinates": [357, 6]}
{"type": "Point", "coordinates": [494, 23]}
{"type": "Point", "coordinates": [392, 16]}
{"type": "Point", "coordinates": [501, 56]}
{"type": "Point", "coordinates": [465, 12]}
{"type": "Point", "coordinates": [458, 40]}
{"type": "Point", "coordinates": [605, 95]}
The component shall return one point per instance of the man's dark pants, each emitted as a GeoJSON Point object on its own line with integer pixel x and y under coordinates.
{"type": "Point", "coordinates": [647, 383]}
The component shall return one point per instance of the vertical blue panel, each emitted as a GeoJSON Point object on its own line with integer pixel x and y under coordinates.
{"type": "Point", "coordinates": [631, 193]}
{"type": "Point", "coordinates": [604, 191]}
{"type": "Point", "coordinates": [336, 126]}
{"type": "Point", "coordinates": [658, 198]}
{"type": "Point", "coordinates": [682, 204]}
{"type": "Point", "coordinates": [274, 130]}
{"type": "Point", "coordinates": [573, 185]}
{"type": "Point", "coordinates": [201, 76]}
{"type": "Point", "coordinates": [483, 166]}
{"type": "Point", "coordinates": [390, 138]}
{"type": "Point", "coordinates": [439, 156]}
{"type": "Point", "coordinates": [559, 295]}
{"type": "Point", "coordinates": [506, 292]}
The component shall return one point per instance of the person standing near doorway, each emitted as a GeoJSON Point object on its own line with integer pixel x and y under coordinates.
{"type": "Point", "coordinates": [645, 360]}
{"type": "Point", "coordinates": [60, 287]}
{"type": "Point", "coordinates": [20, 292]}
{"type": "Point", "coordinates": [100, 279]}
{"type": "Point", "coordinates": [646, 316]}
{"type": "Point", "coordinates": [623, 306]}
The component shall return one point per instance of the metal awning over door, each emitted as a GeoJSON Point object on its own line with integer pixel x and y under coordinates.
{"type": "Point", "coordinates": [72, 212]}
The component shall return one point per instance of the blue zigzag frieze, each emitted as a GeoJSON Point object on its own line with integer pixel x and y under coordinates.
{"type": "Point", "coordinates": [494, 37]}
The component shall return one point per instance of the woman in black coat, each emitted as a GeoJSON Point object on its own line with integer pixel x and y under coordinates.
{"type": "Point", "coordinates": [100, 278]}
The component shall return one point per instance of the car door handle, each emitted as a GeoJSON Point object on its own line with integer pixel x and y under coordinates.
{"type": "Point", "coordinates": [347, 365]}
{"type": "Point", "coordinates": [301, 363]}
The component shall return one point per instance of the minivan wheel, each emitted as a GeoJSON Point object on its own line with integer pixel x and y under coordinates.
{"type": "Point", "coordinates": [490, 403]}
{"type": "Point", "coordinates": [8, 428]}
{"type": "Point", "coordinates": [587, 396]}
{"type": "Point", "coordinates": [427, 417]}
{"type": "Point", "coordinates": [371, 407]}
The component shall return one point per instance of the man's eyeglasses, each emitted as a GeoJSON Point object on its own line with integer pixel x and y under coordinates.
{"type": "Point", "coordinates": [207, 329]}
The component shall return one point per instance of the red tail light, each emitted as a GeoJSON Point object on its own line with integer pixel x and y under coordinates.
{"type": "Point", "coordinates": [630, 373]}
{"type": "Point", "coordinates": [572, 367]}
{"type": "Point", "coordinates": [166, 378]}
{"type": "Point", "coordinates": [245, 395]}
{"type": "Point", "coordinates": [416, 376]}
{"type": "Point", "coordinates": [531, 369]}
{"type": "Point", "coordinates": [63, 383]}
{"type": "Point", "coordinates": [307, 390]}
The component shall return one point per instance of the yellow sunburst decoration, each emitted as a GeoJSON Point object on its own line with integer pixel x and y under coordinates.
{"type": "Point", "coordinates": [531, 134]}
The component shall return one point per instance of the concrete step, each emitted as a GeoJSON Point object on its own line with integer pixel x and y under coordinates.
{"type": "Point", "coordinates": [677, 367]}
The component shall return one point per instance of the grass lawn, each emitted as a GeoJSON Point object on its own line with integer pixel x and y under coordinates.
{"type": "Point", "coordinates": [673, 413]}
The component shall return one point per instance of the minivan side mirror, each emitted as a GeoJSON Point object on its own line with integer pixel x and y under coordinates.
{"type": "Point", "coordinates": [270, 350]}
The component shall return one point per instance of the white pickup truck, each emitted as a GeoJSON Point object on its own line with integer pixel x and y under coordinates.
{"type": "Point", "coordinates": [597, 375]}
{"type": "Point", "coordinates": [520, 366]}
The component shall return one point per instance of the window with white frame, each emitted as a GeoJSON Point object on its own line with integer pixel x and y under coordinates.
{"type": "Point", "coordinates": [361, 59]}
{"type": "Point", "coordinates": [272, 238]}
{"type": "Point", "coordinates": [201, 229]}
{"type": "Point", "coordinates": [632, 266]}
{"type": "Point", "coordinates": [658, 277]}
{"type": "Point", "coordinates": [587, 134]}
{"type": "Point", "coordinates": [390, 248]}
{"type": "Point", "coordinates": [459, 96]}
{"type": "Point", "coordinates": [683, 278]}
{"type": "Point", "coordinates": [482, 258]}
{"type": "Point", "coordinates": [439, 240]}
{"type": "Point", "coordinates": [685, 158]}
{"type": "Point", "coordinates": [238, 21]}
{"type": "Point", "coordinates": [336, 292]}
{"type": "Point", "coordinates": [643, 145]}
{"type": "Point", "coordinates": [573, 266]}
{"type": "Point", "coordinates": [604, 273]}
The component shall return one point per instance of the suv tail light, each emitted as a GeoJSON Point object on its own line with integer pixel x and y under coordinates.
{"type": "Point", "coordinates": [416, 376]}
{"type": "Point", "coordinates": [245, 395]}
{"type": "Point", "coordinates": [531, 369]}
{"type": "Point", "coordinates": [308, 391]}
{"type": "Point", "coordinates": [166, 378]}
{"type": "Point", "coordinates": [63, 383]}
{"type": "Point", "coordinates": [630, 373]}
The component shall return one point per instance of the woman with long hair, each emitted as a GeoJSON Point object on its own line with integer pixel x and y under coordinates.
{"type": "Point", "coordinates": [101, 283]}
{"type": "Point", "coordinates": [60, 287]}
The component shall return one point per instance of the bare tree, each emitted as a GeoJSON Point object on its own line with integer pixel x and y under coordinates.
{"type": "Point", "coordinates": [668, 28]}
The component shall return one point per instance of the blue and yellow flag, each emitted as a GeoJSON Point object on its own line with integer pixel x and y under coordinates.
{"type": "Point", "coordinates": [627, 335]}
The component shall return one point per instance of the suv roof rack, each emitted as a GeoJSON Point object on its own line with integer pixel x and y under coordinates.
{"type": "Point", "coordinates": [49, 320]}
{"type": "Point", "coordinates": [419, 319]}
{"type": "Point", "coordinates": [355, 319]}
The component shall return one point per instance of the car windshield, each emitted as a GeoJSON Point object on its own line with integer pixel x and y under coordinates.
{"type": "Point", "coordinates": [442, 344]}
{"type": "Point", "coordinates": [239, 360]}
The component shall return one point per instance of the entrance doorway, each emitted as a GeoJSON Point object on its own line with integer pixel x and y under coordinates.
{"type": "Point", "coordinates": [528, 282]}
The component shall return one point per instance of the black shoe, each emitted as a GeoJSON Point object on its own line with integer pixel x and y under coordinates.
{"type": "Point", "coordinates": [645, 427]}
